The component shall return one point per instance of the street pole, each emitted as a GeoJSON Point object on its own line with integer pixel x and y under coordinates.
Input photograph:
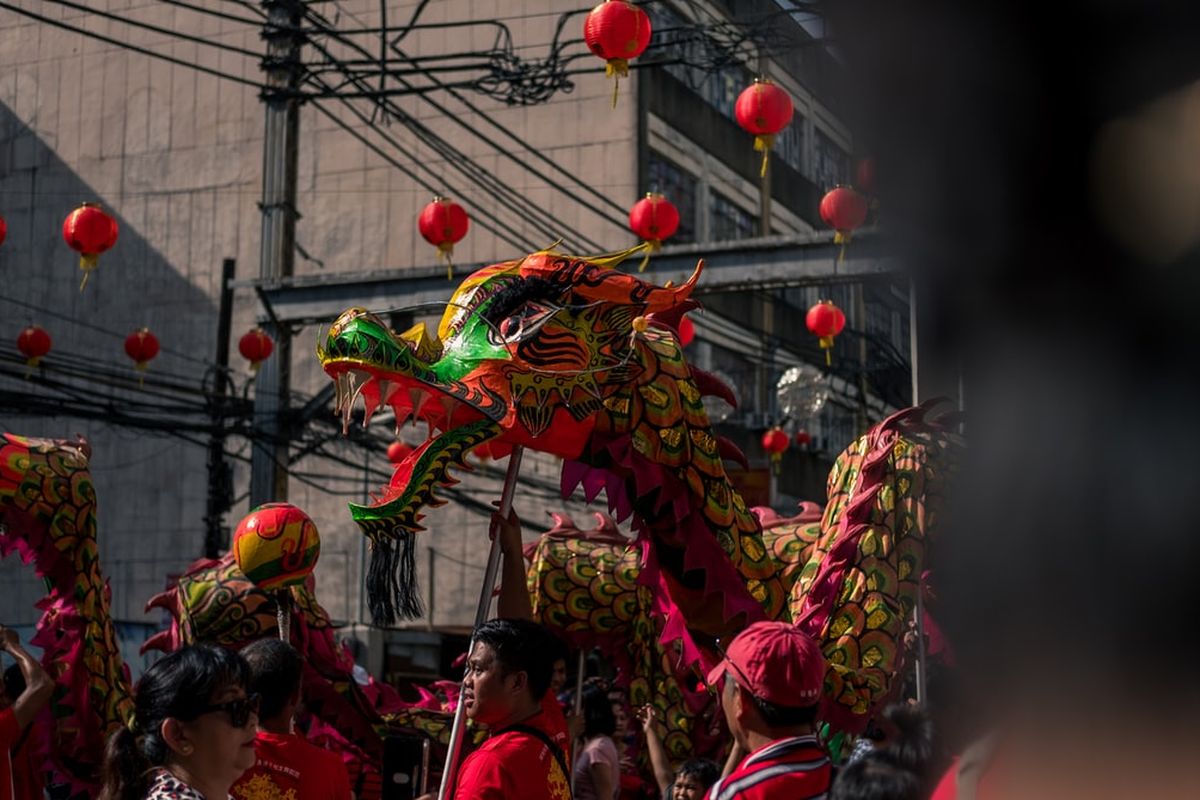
{"type": "Point", "coordinates": [482, 611]}
{"type": "Point", "coordinates": [220, 479]}
{"type": "Point", "coordinates": [268, 468]}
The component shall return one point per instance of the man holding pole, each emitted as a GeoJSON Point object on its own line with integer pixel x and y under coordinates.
{"type": "Point", "coordinates": [508, 675]}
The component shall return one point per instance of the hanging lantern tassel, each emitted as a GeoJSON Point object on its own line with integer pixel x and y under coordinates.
{"type": "Point", "coordinates": [652, 246]}
{"type": "Point", "coordinates": [616, 68]}
{"type": "Point", "coordinates": [87, 263]}
{"type": "Point", "coordinates": [826, 343]}
{"type": "Point", "coordinates": [446, 253]}
{"type": "Point", "coordinates": [763, 144]}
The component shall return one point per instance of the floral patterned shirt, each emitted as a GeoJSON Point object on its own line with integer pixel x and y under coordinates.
{"type": "Point", "coordinates": [165, 786]}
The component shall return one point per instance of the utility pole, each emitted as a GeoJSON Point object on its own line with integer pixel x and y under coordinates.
{"type": "Point", "coordinates": [268, 470]}
{"type": "Point", "coordinates": [220, 477]}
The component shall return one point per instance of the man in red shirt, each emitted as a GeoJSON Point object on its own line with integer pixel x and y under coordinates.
{"type": "Point", "coordinates": [16, 718]}
{"type": "Point", "coordinates": [287, 767]}
{"type": "Point", "coordinates": [508, 675]}
{"type": "Point", "coordinates": [772, 674]}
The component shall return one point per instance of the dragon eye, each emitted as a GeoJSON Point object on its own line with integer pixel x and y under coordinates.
{"type": "Point", "coordinates": [522, 323]}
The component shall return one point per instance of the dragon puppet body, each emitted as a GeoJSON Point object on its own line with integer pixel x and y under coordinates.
{"type": "Point", "coordinates": [572, 357]}
{"type": "Point", "coordinates": [48, 518]}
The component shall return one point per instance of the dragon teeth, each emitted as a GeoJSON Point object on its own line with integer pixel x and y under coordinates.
{"type": "Point", "coordinates": [387, 390]}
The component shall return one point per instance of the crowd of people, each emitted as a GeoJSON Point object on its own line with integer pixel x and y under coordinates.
{"type": "Point", "coordinates": [213, 723]}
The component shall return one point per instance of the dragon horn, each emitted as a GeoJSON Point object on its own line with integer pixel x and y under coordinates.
{"type": "Point", "coordinates": [711, 385]}
{"type": "Point", "coordinates": [168, 601]}
{"type": "Point", "coordinates": [613, 260]}
{"type": "Point", "coordinates": [730, 451]}
{"type": "Point", "coordinates": [673, 316]}
{"type": "Point", "coordinates": [160, 641]}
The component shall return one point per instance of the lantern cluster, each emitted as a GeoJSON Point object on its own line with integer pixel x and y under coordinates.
{"type": "Point", "coordinates": [825, 321]}
{"type": "Point", "coordinates": [652, 219]}
{"type": "Point", "coordinates": [617, 31]}
{"type": "Point", "coordinates": [89, 231]}
{"type": "Point", "coordinates": [444, 223]}
{"type": "Point", "coordinates": [763, 110]}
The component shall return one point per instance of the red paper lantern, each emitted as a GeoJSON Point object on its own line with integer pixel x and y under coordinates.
{"type": "Point", "coordinates": [775, 442]}
{"type": "Point", "coordinates": [687, 332]}
{"type": "Point", "coordinates": [3, 230]}
{"type": "Point", "coordinates": [763, 110]}
{"type": "Point", "coordinates": [397, 450]}
{"type": "Point", "coordinates": [843, 209]}
{"type": "Point", "coordinates": [34, 343]}
{"type": "Point", "coordinates": [617, 31]}
{"type": "Point", "coordinates": [444, 223]}
{"type": "Point", "coordinates": [653, 218]}
{"type": "Point", "coordinates": [803, 439]}
{"type": "Point", "coordinates": [142, 347]}
{"type": "Point", "coordinates": [256, 347]}
{"type": "Point", "coordinates": [89, 231]}
{"type": "Point", "coordinates": [825, 321]}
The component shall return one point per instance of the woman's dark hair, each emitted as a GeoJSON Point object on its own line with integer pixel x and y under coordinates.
{"type": "Point", "coordinates": [872, 778]}
{"type": "Point", "coordinates": [703, 770]}
{"type": "Point", "coordinates": [598, 716]}
{"type": "Point", "coordinates": [913, 746]}
{"type": "Point", "coordinates": [179, 686]}
{"type": "Point", "coordinates": [275, 671]}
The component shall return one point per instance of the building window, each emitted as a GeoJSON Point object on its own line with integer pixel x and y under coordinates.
{"type": "Point", "coordinates": [674, 38]}
{"type": "Point", "coordinates": [728, 221]}
{"type": "Point", "coordinates": [831, 164]}
{"type": "Point", "coordinates": [679, 186]}
{"type": "Point", "coordinates": [789, 144]}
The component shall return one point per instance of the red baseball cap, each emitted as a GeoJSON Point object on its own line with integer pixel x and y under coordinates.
{"type": "Point", "coordinates": [776, 662]}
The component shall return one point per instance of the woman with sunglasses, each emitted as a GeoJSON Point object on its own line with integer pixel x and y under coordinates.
{"type": "Point", "coordinates": [193, 730]}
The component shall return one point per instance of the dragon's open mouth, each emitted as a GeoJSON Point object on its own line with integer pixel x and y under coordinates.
{"type": "Point", "coordinates": [455, 429]}
{"type": "Point", "coordinates": [371, 364]}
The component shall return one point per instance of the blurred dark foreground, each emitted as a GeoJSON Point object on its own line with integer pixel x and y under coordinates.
{"type": "Point", "coordinates": [1039, 164]}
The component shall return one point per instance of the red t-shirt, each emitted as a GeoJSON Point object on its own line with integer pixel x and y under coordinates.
{"type": "Point", "coordinates": [515, 764]}
{"type": "Point", "coordinates": [795, 768]}
{"type": "Point", "coordinates": [28, 781]}
{"type": "Point", "coordinates": [556, 724]}
{"type": "Point", "coordinates": [289, 768]}
{"type": "Point", "coordinates": [9, 733]}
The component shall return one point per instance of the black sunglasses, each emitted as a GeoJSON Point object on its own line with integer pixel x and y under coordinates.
{"type": "Point", "coordinates": [239, 710]}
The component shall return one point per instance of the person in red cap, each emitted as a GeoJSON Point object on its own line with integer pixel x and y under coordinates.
{"type": "Point", "coordinates": [773, 674]}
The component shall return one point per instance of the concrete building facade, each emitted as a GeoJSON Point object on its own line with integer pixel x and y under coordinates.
{"type": "Point", "coordinates": [175, 154]}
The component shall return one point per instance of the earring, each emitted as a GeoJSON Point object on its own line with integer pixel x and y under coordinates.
{"type": "Point", "coordinates": [186, 749]}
